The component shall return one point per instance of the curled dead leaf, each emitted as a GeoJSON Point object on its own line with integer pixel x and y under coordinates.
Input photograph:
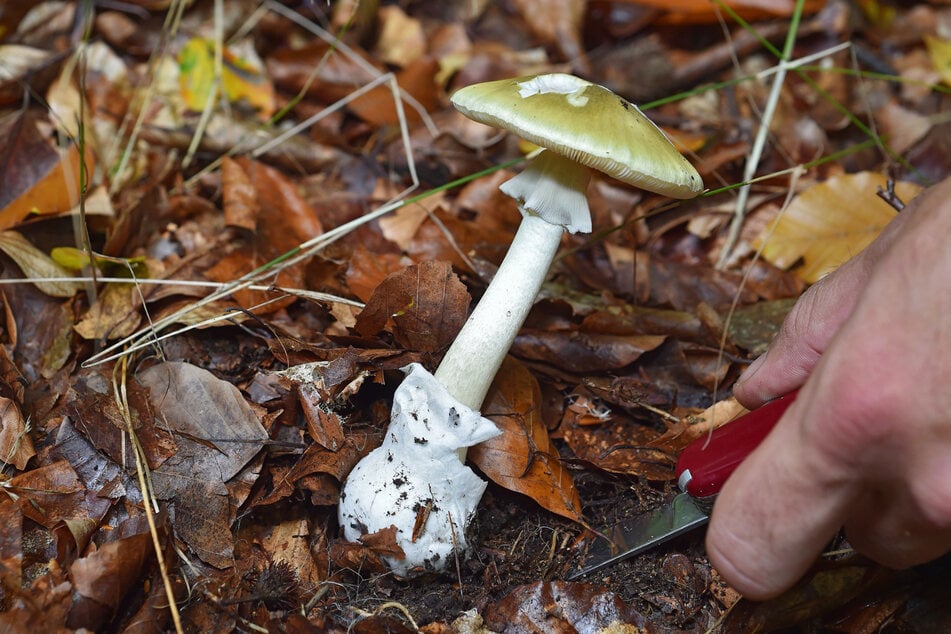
{"type": "Point", "coordinates": [523, 458]}
{"type": "Point", "coordinates": [16, 447]}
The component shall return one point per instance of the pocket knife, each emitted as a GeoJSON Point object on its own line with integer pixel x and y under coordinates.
{"type": "Point", "coordinates": [702, 468]}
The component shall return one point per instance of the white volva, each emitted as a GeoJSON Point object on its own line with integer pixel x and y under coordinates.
{"type": "Point", "coordinates": [415, 480]}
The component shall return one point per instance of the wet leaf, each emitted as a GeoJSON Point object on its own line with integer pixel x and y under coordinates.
{"type": "Point", "coordinates": [424, 305]}
{"type": "Point", "coordinates": [830, 222]}
{"type": "Point", "coordinates": [523, 458]}
{"type": "Point", "coordinates": [562, 608]}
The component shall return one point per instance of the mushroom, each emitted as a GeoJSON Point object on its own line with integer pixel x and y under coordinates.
{"type": "Point", "coordinates": [583, 126]}
{"type": "Point", "coordinates": [416, 480]}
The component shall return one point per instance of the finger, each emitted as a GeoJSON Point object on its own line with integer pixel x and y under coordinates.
{"type": "Point", "coordinates": [804, 336]}
{"type": "Point", "coordinates": [776, 512]}
{"type": "Point", "coordinates": [817, 316]}
{"type": "Point", "coordinates": [881, 531]}
{"type": "Point", "coordinates": [900, 526]}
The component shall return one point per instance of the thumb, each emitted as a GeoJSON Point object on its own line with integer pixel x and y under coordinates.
{"type": "Point", "coordinates": [776, 512]}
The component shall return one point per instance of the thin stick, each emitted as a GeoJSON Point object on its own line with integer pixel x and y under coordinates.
{"type": "Point", "coordinates": [756, 152]}
{"type": "Point", "coordinates": [120, 395]}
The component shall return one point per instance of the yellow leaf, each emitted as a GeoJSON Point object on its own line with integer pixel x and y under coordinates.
{"type": "Point", "coordinates": [829, 223]}
{"type": "Point", "coordinates": [242, 77]}
{"type": "Point", "coordinates": [940, 51]}
{"type": "Point", "coordinates": [77, 259]}
{"type": "Point", "coordinates": [196, 67]}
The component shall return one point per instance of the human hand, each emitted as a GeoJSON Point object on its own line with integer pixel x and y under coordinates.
{"type": "Point", "coordinates": [867, 443]}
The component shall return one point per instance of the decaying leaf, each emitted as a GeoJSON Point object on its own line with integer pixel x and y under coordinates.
{"type": "Point", "coordinates": [217, 434]}
{"type": "Point", "coordinates": [830, 222]}
{"type": "Point", "coordinates": [36, 265]}
{"type": "Point", "coordinates": [16, 447]}
{"type": "Point", "coordinates": [425, 303]}
{"type": "Point", "coordinates": [523, 458]}
{"type": "Point", "coordinates": [564, 607]}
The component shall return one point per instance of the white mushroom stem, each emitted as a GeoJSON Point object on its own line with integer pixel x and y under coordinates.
{"type": "Point", "coordinates": [551, 195]}
{"type": "Point", "coordinates": [474, 357]}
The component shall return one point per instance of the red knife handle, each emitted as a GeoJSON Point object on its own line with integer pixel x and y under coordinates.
{"type": "Point", "coordinates": [707, 462]}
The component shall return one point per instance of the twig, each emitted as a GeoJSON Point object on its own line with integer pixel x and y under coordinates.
{"type": "Point", "coordinates": [122, 402]}
{"type": "Point", "coordinates": [756, 152]}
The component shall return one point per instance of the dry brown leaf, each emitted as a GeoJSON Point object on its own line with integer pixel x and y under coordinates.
{"type": "Point", "coordinates": [217, 434]}
{"type": "Point", "coordinates": [829, 223]}
{"type": "Point", "coordinates": [104, 578]}
{"type": "Point", "coordinates": [92, 410]}
{"type": "Point", "coordinates": [323, 424]}
{"type": "Point", "coordinates": [401, 226]}
{"type": "Point", "coordinates": [367, 270]}
{"type": "Point", "coordinates": [113, 316]}
{"type": "Point", "coordinates": [284, 220]}
{"type": "Point", "coordinates": [620, 445]}
{"type": "Point", "coordinates": [523, 459]}
{"type": "Point", "coordinates": [426, 303]}
{"type": "Point", "coordinates": [16, 447]}
{"type": "Point", "coordinates": [240, 203]}
{"type": "Point", "coordinates": [556, 22]}
{"type": "Point", "coordinates": [289, 541]}
{"type": "Point", "coordinates": [37, 178]}
{"type": "Point", "coordinates": [50, 494]}
{"type": "Point", "coordinates": [581, 351]}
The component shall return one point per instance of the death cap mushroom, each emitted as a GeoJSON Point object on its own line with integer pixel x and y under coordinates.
{"type": "Point", "coordinates": [586, 123]}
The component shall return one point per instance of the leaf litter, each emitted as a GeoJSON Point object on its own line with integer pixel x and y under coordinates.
{"type": "Point", "coordinates": [244, 425]}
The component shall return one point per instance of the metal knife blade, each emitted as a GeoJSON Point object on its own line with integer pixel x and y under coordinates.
{"type": "Point", "coordinates": [703, 467]}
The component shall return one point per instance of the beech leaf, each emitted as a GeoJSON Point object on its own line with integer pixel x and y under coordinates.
{"type": "Point", "coordinates": [217, 434]}
{"type": "Point", "coordinates": [829, 223]}
{"type": "Point", "coordinates": [523, 459]}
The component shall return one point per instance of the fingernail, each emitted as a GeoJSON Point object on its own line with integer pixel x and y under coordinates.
{"type": "Point", "coordinates": [752, 370]}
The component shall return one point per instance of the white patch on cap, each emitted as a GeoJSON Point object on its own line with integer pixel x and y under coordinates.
{"type": "Point", "coordinates": [558, 83]}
